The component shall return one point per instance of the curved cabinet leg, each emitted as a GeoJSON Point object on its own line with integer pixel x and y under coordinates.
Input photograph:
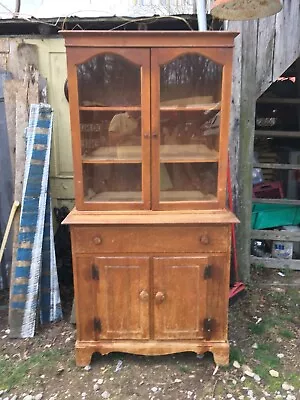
{"type": "Point", "coordinates": [83, 356]}
{"type": "Point", "coordinates": [221, 353]}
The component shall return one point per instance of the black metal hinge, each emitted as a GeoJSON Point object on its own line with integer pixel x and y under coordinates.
{"type": "Point", "coordinates": [207, 271]}
{"type": "Point", "coordinates": [97, 325]}
{"type": "Point", "coordinates": [208, 326]}
{"type": "Point", "coordinates": [95, 272]}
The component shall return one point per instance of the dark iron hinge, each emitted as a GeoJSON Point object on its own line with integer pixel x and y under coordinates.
{"type": "Point", "coordinates": [208, 326]}
{"type": "Point", "coordinates": [97, 325]}
{"type": "Point", "coordinates": [95, 272]}
{"type": "Point", "coordinates": [207, 271]}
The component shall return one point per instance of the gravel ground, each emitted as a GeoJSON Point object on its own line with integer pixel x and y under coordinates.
{"type": "Point", "coordinates": [264, 331]}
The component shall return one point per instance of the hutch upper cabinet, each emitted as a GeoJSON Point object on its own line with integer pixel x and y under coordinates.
{"type": "Point", "coordinates": [150, 231]}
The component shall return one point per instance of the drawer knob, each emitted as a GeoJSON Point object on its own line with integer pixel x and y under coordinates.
{"type": "Point", "coordinates": [144, 295]}
{"type": "Point", "coordinates": [204, 239]}
{"type": "Point", "coordinates": [159, 297]}
{"type": "Point", "coordinates": [97, 240]}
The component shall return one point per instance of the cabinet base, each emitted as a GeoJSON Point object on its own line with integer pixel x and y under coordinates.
{"type": "Point", "coordinates": [85, 350]}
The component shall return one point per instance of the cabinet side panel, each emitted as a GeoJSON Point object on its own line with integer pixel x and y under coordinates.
{"type": "Point", "coordinates": [84, 292]}
{"type": "Point", "coordinates": [218, 296]}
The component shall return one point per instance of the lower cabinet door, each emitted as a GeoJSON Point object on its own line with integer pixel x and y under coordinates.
{"type": "Point", "coordinates": [180, 293]}
{"type": "Point", "coordinates": [122, 297]}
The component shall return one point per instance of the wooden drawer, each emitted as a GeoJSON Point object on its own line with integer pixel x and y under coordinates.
{"type": "Point", "coordinates": [141, 239]}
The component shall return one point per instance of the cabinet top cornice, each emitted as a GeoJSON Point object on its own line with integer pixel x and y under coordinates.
{"type": "Point", "coordinates": [149, 38]}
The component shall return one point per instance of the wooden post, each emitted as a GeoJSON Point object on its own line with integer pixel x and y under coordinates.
{"type": "Point", "coordinates": [247, 130]}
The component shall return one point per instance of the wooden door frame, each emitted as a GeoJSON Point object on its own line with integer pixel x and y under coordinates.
{"type": "Point", "coordinates": [139, 57]}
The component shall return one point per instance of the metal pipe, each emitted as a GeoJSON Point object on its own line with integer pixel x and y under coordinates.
{"type": "Point", "coordinates": [201, 14]}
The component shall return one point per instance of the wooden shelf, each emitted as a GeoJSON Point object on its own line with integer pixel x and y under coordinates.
{"type": "Point", "coordinates": [290, 134]}
{"type": "Point", "coordinates": [277, 166]}
{"type": "Point", "coordinates": [277, 201]}
{"type": "Point", "coordinates": [187, 153]}
{"type": "Point", "coordinates": [275, 234]}
{"type": "Point", "coordinates": [278, 100]}
{"type": "Point", "coordinates": [104, 108]}
{"type": "Point", "coordinates": [115, 155]}
{"type": "Point", "coordinates": [277, 263]}
{"type": "Point", "coordinates": [194, 107]}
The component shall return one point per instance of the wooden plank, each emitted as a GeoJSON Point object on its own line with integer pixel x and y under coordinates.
{"type": "Point", "coordinates": [247, 129]}
{"type": "Point", "coordinates": [265, 51]}
{"type": "Point", "coordinates": [277, 201]}
{"type": "Point", "coordinates": [6, 199]}
{"type": "Point", "coordinates": [149, 217]}
{"type": "Point", "coordinates": [287, 134]}
{"type": "Point", "coordinates": [234, 136]}
{"type": "Point", "coordinates": [278, 100]}
{"type": "Point", "coordinates": [287, 40]}
{"type": "Point", "coordinates": [277, 166]}
{"type": "Point", "coordinates": [276, 263]}
{"type": "Point", "coordinates": [10, 89]}
{"type": "Point", "coordinates": [262, 234]}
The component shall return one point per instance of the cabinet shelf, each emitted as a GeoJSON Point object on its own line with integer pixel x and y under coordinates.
{"type": "Point", "coordinates": [278, 100]}
{"type": "Point", "coordinates": [168, 154]}
{"type": "Point", "coordinates": [104, 108]}
{"type": "Point", "coordinates": [193, 107]}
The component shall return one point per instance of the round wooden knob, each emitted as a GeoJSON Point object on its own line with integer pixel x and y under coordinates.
{"type": "Point", "coordinates": [97, 240]}
{"type": "Point", "coordinates": [144, 295]}
{"type": "Point", "coordinates": [204, 239]}
{"type": "Point", "coordinates": [159, 297]}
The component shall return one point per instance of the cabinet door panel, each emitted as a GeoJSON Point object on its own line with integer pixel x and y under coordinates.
{"type": "Point", "coordinates": [123, 297]}
{"type": "Point", "coordinates": [179, 297]}
{"type": "Point", "coordinates": [189, 128]}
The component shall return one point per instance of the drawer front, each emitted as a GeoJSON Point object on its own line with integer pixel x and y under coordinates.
{"type": "Point", "coordinates": [141, 239]}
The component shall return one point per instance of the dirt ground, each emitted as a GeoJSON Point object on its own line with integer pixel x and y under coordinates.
{"type": "Point", "coordinates": [264, 333]}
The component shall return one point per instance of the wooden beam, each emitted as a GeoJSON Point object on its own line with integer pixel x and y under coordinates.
{"type": "Point", "coordinates": [278, 100]}
{"type": "Point", "coordinates": [265, 52]}
{"type": "Point", "coordinates": [277, 263]}
{"type": "Point", "coordinates": [247, 129]}
{"type": "Point", "coordinates": [275, 235]}
{"type": "Point", "coordinates": [277, 166]}
{"type": "Point", "coordinates": [285, 134]}
{"type": "Point", "coordinates": [277, 201]}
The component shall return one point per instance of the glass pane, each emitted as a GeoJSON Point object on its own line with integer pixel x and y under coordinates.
{"type": "Point", "coordinates": [190, 80]}
{"type": "Point", "coordinates": [109, 80]}
{"type": "Point", "coordinates": [110, 135]}
{"type": "Point", "coordinates": [190, 135]}
{"type": "Point", "coordinates": [112, 182]}
{"type": "Point", "coordinates": [188, 181]}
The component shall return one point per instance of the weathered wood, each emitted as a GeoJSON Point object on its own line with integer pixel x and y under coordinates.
{"type": "Point", "coordinates": [287, 40]}
{"type": "Point", "coordinates": [6, 198]}
{"type": "Point", "coordinates": [277, 166]}
{"type": "Point", "coordinates": [277, 133]}
{"type": "Point", "coordinates": [234, 137]}
{"type": "Point", "coordinates": [275, 235]}
{"type": "Point", "coordinates": [265, 50]}
{"type": "Point", "coordinates": [278, 100]}
{"type": "Point", "coordinates": [277, 201]}
{"type": "Point", "coordinates": [247, 127]}
{"type": "Point", "coordinates": [10, 89]}
{"type": "Point", "coordinates": [276, 263]}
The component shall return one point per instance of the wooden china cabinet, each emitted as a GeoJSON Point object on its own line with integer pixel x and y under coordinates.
{"type": "Point", "coordinates": [150, 231]}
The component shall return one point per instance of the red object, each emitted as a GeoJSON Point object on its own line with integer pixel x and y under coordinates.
{"type": "Point", "coordinates": [238, 286]}
{"type": "Point", "coordinates": [270, 190]}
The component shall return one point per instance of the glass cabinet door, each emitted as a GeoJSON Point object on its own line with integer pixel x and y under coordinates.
{"type": "Point", "coordinates": [113, 127]}
{"type": "Point", "coordinates": [186, 128]}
